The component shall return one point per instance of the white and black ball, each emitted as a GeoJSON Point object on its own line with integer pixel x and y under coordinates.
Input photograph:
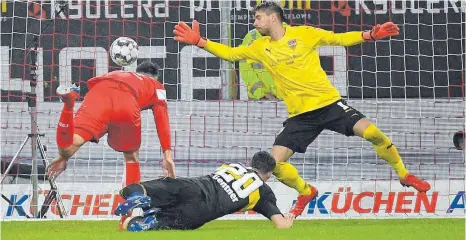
{"type": "Point", "coordinates": [124, 51]}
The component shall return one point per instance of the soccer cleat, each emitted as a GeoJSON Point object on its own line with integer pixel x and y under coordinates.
{"type": "Point", "coordinates": [135, 200]}
{"type": "Point", "coordinates": [139, 224]}
{"type": "Point", "coordinates": [298, 207]}
{"type": "Point", "coordinates": [150, 211]}
{"type": "Point", "coordinates": [68, 94]}
{"type": "Point", "coordinates": [415, 182]}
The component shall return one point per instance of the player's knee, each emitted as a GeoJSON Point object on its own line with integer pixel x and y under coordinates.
{"type": "Point", "coordinates": [132, 156]}
{"type": "Point", "coordinates": [69, 151]}
{"type": "Point", "coordinates": [375, 136]}
{"type": "Point", "coordinates": [281, 153]}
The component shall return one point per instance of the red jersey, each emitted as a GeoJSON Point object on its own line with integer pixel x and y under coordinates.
{"type": "Point", "coordinates": [149, 93]}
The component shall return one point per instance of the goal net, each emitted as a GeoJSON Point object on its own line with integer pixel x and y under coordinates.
{"type": "Point", "coordinates": [411, 86]}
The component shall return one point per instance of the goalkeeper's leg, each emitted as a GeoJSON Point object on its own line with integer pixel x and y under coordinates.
{"type": "Point", "coordinates": [388, 152]}
{"type": "Point", "coordinates": [297, 134]}
{"type": "Point", "coordinates": [286, 173]}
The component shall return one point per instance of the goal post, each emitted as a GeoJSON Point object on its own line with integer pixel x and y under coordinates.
{"type": "Point", "coordinates": [411, 86]}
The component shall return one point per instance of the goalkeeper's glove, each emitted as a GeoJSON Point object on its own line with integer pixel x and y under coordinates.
{"type": "Point", "coordinates": [387, 29]}
{"type": "Point", "coordinates": [183, 33]}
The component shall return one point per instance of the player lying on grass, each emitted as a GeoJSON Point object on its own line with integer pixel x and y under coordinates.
{"type": "Point", "coordinates": [290, 55]}
{"type": "Point", "coordinates": [189, 203]}
{"type": "Point", "coordinates": [113, 106]}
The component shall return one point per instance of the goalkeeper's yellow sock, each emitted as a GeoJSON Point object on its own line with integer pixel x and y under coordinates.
{"type": "Point", "coordinates": [286, 173]}
{"type": "Point", "coordinates": [385, 149]}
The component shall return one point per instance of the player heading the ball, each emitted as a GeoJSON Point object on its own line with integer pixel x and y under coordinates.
{"type": "Point", "coordinates": [113, 106]}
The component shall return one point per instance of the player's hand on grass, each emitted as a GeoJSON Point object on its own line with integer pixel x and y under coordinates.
{"type": "Point", "coordinates": [283, 221]}
{"type": "Point", "coordinates": [289, 218]}
{"type": "Point", "coordinates": [168, 164]}
{"type": "Point", "coordinates": [56, 167]}
{"type": "Point", "coordinates": [185, 34]}
{"type": "Point", "coordinates": [387, 29]}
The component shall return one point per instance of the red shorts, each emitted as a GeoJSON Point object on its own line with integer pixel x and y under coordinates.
{"type": "Point", "coordinates": [110, 107]}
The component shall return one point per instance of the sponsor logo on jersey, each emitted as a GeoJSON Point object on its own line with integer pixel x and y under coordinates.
{"type": "Point", "coordinates": [226, 187]}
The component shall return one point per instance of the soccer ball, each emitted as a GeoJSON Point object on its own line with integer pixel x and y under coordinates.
{"type": "Point", "coordinates": [124, 51]}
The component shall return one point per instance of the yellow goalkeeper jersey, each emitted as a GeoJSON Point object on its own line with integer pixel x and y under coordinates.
{"type": "Point", "coordinates": [293, 61]}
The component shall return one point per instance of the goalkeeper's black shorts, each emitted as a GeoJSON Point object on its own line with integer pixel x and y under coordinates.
{"type": "Point", "coordinates": [300, 131]}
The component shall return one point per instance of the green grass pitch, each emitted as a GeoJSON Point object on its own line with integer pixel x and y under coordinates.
{"type": "Point", "coordinates": [393, 229]}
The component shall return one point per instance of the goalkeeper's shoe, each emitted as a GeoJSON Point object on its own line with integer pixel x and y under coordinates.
{"type": "Point", "coordinates": [135, 200]}
{"type": "Point", "coordinates": [415, 182]}
{"type": "Point", "coordinates": [139, 224]}
{"type": "Point", "coordinates": [298, 207]}
{"type": "Point", "coordinates": [68, 94]}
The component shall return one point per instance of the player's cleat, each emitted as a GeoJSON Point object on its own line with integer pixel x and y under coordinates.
{"type": "Point", "coordinates": [298, 207]}
{"type": "Point", "coordinates": [151, 211]}
{"type": "Point", "coordinates": [415, 182]}
{"type": "Point", "coordinates": [139, 224]}
{"type": "Point", "coordinates": [135, 200]}
{"type": "Point", "coordinates": [68, 94]}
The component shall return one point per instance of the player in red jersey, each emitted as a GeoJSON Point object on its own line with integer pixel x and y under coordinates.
{"type": "Point", "coordinates": [113, 106]}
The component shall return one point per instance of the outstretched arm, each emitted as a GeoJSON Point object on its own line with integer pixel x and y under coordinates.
{"type": "Point", "coordinates": [387, 29]}
{"type": "Point", "coordinates": [185, 34]}
{"type": "Point", "coordinates": [267, 206]}
{"type": "Point", "coordinates": [162, 123]}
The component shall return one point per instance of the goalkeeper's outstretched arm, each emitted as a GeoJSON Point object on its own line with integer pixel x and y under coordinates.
{"type": "Point", "coordinates": [327, 38]}
{"type": "Point", "coordinates": [185, 34]}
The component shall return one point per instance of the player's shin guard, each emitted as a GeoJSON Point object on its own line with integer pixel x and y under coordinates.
{"type": "Point", "coordinates": [65, 128]}
{"type": "Point", "coordinates": [288, 175]}
{"type": "Point", "coordinates": [385, 149]}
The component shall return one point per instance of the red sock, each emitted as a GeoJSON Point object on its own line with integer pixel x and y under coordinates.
{"type": "Point", "coordinates": [132, 173]}
{"type": "Point", "coordinates": [65, 128]}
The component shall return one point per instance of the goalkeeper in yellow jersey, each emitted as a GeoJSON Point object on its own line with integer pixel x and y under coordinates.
{"type": "Point", "coordinates": [313, 104]}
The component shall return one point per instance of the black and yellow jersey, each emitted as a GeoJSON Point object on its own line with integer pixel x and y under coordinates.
{"type": "Point", "coordinates": [233, 187]}
{"type": "Point", "coordinates": [189, 203]}
{"type": "Point", "coordinates": [294, 64]}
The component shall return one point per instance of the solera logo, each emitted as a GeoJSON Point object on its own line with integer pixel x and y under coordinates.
{"type": "Point", "coordinates": [411, 6]}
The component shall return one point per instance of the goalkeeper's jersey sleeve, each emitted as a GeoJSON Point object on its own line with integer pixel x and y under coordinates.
{"type": "Point", "coordinates": [294, 64]}
{"type": "Point", "coordinates": [236, 188]}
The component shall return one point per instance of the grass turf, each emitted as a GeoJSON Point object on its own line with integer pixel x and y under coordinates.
{"type": "Point", "coordinates": [409, 229]}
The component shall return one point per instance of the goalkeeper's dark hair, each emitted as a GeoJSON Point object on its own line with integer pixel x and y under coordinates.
{"type": "Point", "coordinates": [263, 162]}
{"type": "Point", "coordinates": [271, 7]}
{"type": "Point", "coordinates": [148, 68]}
